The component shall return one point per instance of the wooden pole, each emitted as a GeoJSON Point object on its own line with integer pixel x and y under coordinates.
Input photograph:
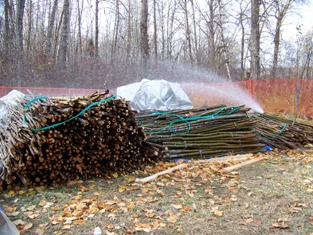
{"type": "Point", "coordinates": [242, 164]}
{"type": "Point", "coordinates": [184, 165]}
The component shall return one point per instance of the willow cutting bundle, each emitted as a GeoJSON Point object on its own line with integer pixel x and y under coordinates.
{"type": "Point", "coordinates": [51, 140]}
{"type": "Point", "coordinates": [282, 133]}
{"type": "Point", "coordinates": [201, 133]}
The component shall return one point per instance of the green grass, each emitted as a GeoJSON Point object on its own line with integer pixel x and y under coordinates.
{"type": "Point", "coordinates": [275, 192]}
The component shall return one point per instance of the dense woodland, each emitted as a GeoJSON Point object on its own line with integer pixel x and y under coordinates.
{"type": "Point", "coordinates": [99, 44]}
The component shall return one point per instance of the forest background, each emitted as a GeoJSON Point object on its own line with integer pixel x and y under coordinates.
{"type": "Point", "coordinates": [106, 44]}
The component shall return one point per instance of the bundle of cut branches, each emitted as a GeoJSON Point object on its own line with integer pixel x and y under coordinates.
{"type": "Point", "coordinates": [48, 141]}
{"type": "Point", "coordinates": [201, 133]}
{"type": "Point", "coordinates": [282, 133]}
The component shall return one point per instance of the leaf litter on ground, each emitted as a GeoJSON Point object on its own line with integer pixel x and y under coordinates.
{"type": "Point", "coordinates": [201, 198]}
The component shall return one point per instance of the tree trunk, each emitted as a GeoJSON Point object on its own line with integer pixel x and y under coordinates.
{"type": "Point", "coordinates": [65, 33]}
{"type": "Point", "coordinates": [224, 46]}
{"type": "Point", "coordinates": [171, 13]}
{"type": "Point", "coordinates": [155, 35]}
{"type": "Point", "coordinates": [7, 37]}
{"type": "Point", "coordinates": [195, 32]}
{"type": "Point", "coordinates": [255, 39]}
{"type": "Point", "coordinates": [242, 53]}
{"type": "Point", "coordinates": [19, 24]}
{"type": "Point", "coordinates": [129, 32]}
{"type": "Point", "coordinates": [116, 29]}
{"type": "Point", "coordinates": [30, 26]}
{"type": "Point", "coordinates": [19, 39]}
{"type": "Point", "coordinates": [281, 11]}
{"type": "Point", "coordinates": [51, 28]}
{"type": "Point", "coordinates": [79, 15]}
{"type": "Point", "coordinates": [144, 33]}
{"type": "Point", "coordinates": [276, 48]}
{"type": "Point", "coordinates": [187, 28]}
{"type": "Point", "coordinates": [211, 39]}
{"type": "Point", "coordinates": [97, 29]}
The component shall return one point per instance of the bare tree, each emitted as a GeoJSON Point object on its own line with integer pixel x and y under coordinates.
{"type": "Point", "coordinates": [155, 33]}
{"type": "Point", "coordinates": [281, 8]}
{"type": "Point", "coordinates": [80, 8]}
{"type": "Point", "coordinates": [19, 24]}
{"type": "Point", "coordinates": [65, 33]}
{"type": "Point", "coordinates": [51, 28]}
{"type": "Point", "coordinates": [210, 29]}
{"type": "Point", "coordinates": [187, 29]}
{"type": "Point", "coordinates": [255, 39]}
{"type": "Point", "coordinates": [30, 26]}
{"type": "Point", "coordinates": [195, 32]}
{"type": "Point", "coordinates": [97, 29]}
{"type": "Point", "coordinates": [116, 29]}
{"type": "Point", "coordinates": [7, 36]}
{"type": "Point", "coordinates": [144, 32]}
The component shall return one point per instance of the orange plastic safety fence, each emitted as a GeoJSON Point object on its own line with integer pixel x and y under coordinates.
{"type": "Point", "coordinates": [48, 91]}
{"type": "Point", "coordinates": [288, 96]}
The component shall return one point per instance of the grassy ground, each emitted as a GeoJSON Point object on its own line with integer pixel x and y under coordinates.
{"type": "Point", "coordinates": [269, 197]}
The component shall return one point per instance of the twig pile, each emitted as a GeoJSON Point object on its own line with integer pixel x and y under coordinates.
{"type": "Point", "coordinates": [201, 133]}
{"type": "Point", "coordinates": [282, 133]}
{"type": "Point", "coordinates": [57, 140]}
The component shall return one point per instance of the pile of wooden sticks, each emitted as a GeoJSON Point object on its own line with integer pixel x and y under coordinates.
{"type": "Point", "coordinates": [47, 141]}
{"type": "Point", "coordinates": [282, 133]}
{"type": "Point", "coordinates": [201, 133]}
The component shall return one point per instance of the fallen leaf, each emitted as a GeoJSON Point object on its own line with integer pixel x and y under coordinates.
{"type": "Point", "coordinates": [150, 215]}
{"type": "Point", "coordinates": [142, 227]}
{"type": "Point", "coordinates": [177, 206]}
{"type": "Point", "coordinates": [41, 229]}
{"type": "Point", "coordinates": [32, 215]}
{"type": "Point", "coordinates": [282, 225]}
{"type": "Point", "coordinates": [28, 226]}
{"type": "Point", "coordinates": [45, 204]}
{"type": "Point", "coordinates": [84, 189]}
{"type": "Point", "coordinates": [215, 211]}
{"type": "Point", "coordinates": [15, 213]}
{"type": "Point", "coordinates": [30, 208]}
{"type": "Point", "coordinates": [218, 213]}
{"type": "Point", "coordinates": [172, 219]}
{"type": "Point", "coordinates": [112, 216]}
{"type": "Point", "coordinates": [21, 192]}
{"type": "Point", "coordinates": [187, 209]}
{"type": "Point", "coordinates": [79, 222]}
{"type": "Point", "coordinates": [18, 222]}
{"type": "Point", "coordinates": [247, 221]}
{"type": "Point", "coordinates": [66, 227]}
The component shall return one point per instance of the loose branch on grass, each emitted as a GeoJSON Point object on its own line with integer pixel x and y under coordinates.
{"type": "Point", "coordinates": [184, 165]}
{"type": "Point", "coordinates": [242, 164]}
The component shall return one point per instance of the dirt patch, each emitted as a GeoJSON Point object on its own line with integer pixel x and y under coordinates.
{"type": "Point", "coordinates": [269, 197]}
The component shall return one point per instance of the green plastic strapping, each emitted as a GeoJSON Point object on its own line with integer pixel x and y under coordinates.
{"type": "Point", "coordinates": [187, 120]}
{"type": "Point", "coordinates": [281, 131]}
{"type": "Point", "coordinates": [34, 100]}
{"type": "Point", "coordinates": [63, 122]}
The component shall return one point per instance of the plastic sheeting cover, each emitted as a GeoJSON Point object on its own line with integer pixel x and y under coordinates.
{"type": "Point", "coordinates": [9, 100]}
{"type": "Point", "coordinates": [155, 95]}
{"type": "Point", "coordinates": [6, 226]}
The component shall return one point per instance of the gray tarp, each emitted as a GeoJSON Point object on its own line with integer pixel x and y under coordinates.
{"type": "Point", "coordinates": [6, 226]}
{"type": "Point", "coordinates": [155, 95]}
{"type": "Point", "coordinates": [9, 100]}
